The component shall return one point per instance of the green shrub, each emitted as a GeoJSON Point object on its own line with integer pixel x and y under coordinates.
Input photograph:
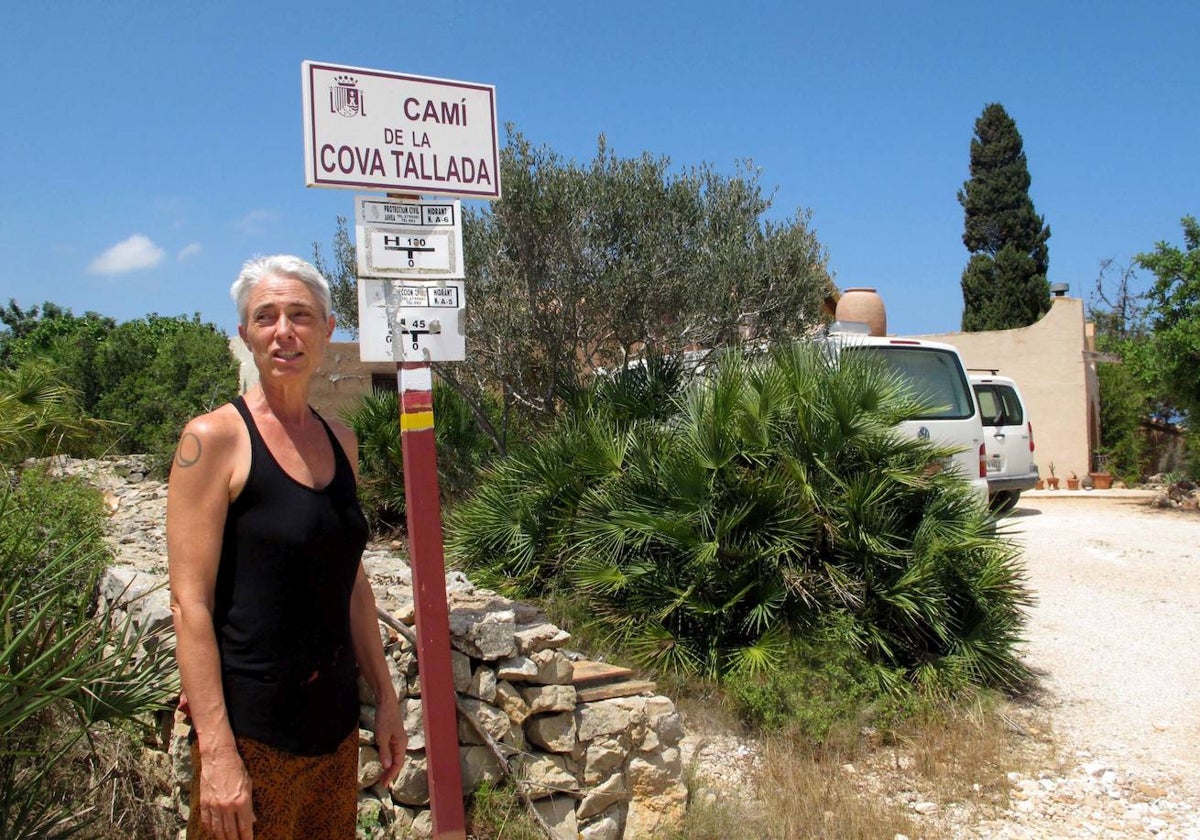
{"type": "Point", "coordinates": [68, 675]}
{"type": "Point", "coordinates": [776, 498]}
{"type": "Point", "coordinates": [462, 452]}
{"type": "Point", "coordinates": [818, 691]}
{"type": "Point", "coordinates": [40, 416]}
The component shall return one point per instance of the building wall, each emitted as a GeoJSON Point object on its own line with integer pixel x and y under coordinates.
{"type": "Point", "coordinates": [340, 380]}
{"type": "Point", "coordinates": [1053, 364]}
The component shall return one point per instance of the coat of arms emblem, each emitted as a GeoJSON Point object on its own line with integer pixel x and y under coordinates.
{"type": "Point", "coordinates": [345, 98]}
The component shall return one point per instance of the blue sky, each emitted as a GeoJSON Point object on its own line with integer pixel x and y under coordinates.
{"type": "Point", "coordinates": [150, 148]}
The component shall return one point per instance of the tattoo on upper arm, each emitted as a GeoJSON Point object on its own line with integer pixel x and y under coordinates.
{"type": "Point", "coordinates": [188, 451]}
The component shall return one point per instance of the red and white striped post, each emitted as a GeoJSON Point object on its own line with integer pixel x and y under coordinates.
{"type": "Point", "coordinates": [438, 700]}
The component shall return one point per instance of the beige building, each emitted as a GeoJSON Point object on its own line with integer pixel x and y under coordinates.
{"type": "Point", "coordinates": [1054, 365]}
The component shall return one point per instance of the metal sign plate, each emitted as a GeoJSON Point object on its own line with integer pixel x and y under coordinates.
{"type": "Point", "coordinates": [408, 239]}
{"type": "Point", "coordinates": [411, 322]}
{"type": "Point", "coordinates": [395, 132]}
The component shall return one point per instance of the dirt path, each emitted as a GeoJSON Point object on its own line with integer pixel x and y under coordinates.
{"type": "Point", "coordinates": [1115, 636]}
{"type": "Point", "coordinates": [1116, 626]}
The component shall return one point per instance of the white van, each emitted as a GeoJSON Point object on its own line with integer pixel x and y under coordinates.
{"type": "Point", "coordinates": [936, 373]}
{"type": "Point", "coordinates": [1008, 436]}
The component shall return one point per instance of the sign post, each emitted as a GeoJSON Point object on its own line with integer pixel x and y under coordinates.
{"type": "Point", "coordinates": [408, 135]}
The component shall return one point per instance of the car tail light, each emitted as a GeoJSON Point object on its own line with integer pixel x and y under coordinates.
{"type": "Point", "coordinates": [1030, 426]}
{"type": "Point", "coordinates": [982, 461]}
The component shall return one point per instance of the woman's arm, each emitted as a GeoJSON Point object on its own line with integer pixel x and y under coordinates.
{"type": "Point", "coordinates": [390, 737]}
{"type": "Point", "coordinates": [198, 497]}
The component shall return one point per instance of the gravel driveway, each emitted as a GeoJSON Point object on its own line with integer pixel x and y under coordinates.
{"type": "Point", "coordinates": [1115, 636]}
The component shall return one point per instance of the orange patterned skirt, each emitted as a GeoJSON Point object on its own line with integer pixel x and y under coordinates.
{"type": "Point", "coordinates": [294, 796]}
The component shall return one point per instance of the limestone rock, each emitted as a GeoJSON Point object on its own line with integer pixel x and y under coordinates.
{"type": "Point", "coordinates": [478, 765]}
{"type": "Point", "coordinates": [606, 828]}
{"type": "Point", "coordinates": [658, 793]}
{"type": "Point", "coordinates": [604, 757]}
{"type": "Point", "coordinates": [545, 636]}
{"type": "Point", "coordinates": [494, 721]}
{"type": "Point", "coordinates": [602, 797]}
{"type": "Point", "coordinates": [482, 684]}
{"type": "Point", "coordinates": [549, 698]}
{"type": "Point", "coordinates": [484, 635]}
{"type": "Point", "coordinates": [559, 814]}
{"type": "Point", "coordinates": [553, 668]}
{"type": "Point", "coordinates": [411, 786]}
{"type": "Point", "coordinates": [516, 669]}
{"type": "Point", "coordinates": [369, 767]}
{"type": "Point", "coordinates": [547, 775]}
{"type": "Point", "coordinates": [510, 700]}
{"type": "Point", "coordinates": [555, 733]}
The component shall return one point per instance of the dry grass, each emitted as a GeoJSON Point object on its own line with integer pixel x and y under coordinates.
{"type": "Point", "coordinates": [955, 758]}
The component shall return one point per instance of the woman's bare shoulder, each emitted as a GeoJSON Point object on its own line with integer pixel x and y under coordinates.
{"type": "Point", "coordinates": [215, 435]}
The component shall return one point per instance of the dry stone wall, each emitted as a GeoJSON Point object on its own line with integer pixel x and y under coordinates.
{"type": "Point", "coordinates": [596, 769]}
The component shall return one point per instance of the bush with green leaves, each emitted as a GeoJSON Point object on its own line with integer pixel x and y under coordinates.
{"type": "Point", "coordinates": [778, 500]}
{"type": "Point", "coordinates": [146, 377]}
{"type": "Point", "coordinates": [68, 674]}
{"type": "Point", "coordinates": [462, 450]}
{"type": "Point", "coordinates": [40, 415]}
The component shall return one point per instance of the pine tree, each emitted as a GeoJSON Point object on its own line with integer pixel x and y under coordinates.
{"type": "Point", "coordinates": [1004, 284]}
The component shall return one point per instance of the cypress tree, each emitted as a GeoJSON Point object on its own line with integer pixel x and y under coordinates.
{"type": "Point", "coordinates": [1004, 284]}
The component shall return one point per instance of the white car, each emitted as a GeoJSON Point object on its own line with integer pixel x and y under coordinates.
{"type": "Point", "coordinates": [1008, 435]}
{"type": "Point", "coordinates": [936, 372]}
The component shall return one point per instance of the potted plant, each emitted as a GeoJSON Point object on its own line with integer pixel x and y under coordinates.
{"type": "Point", "coordinates": [1052, 479]}
{"type": "Point", "coordinates": [1101, 479]}
{"type": "Point", "coordinates": [1072, 482]}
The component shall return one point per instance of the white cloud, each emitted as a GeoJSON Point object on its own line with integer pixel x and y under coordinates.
{"type": "Point", "coordinates": [188, 251]}
{"type": "Point", "coordinates": [134, 254]}
{"type": "Point", "coordinates": [255, 222]}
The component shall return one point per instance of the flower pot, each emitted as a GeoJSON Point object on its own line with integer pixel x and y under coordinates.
{"type": "Point", "coordinates": [1101, 480]}
{"type": "Point", "coordinates": [1041, 484]}
{"type": "Point", "coordinates": [1052, 482]}
{"type": "Point", "coordinates": [863, 306]}
{"type": "Point", "coordinates": [1072, 483]}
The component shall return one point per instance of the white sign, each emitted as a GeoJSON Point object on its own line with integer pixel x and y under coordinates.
{"type": "Point", "coordinates": [411, 322]}
{"type": "Point", "coordinates": [377, 130]}
{"type": "Point", "coordinates": [411, 240]}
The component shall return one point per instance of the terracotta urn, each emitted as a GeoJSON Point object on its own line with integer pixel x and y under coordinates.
{"type": "Point", "coordinates": [864, 306]}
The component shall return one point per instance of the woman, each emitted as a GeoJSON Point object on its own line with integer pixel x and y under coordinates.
{"type": "Point", "coordinates": [274, 616]}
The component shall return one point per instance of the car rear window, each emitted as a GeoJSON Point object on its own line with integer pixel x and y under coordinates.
{"type": "Point", "coordinates": [935, 375]}
{"type": "Point", "coordinates": [999, 405]}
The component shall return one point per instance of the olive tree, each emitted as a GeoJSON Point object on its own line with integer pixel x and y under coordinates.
{"type": "Point", "coordinates": [581, 267]}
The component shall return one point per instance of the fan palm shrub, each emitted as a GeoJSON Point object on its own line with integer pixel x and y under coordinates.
{"type": "Point", "coordinates": [40, 416]}
{"type": "Point", "coordinates": [777, 501]}
{"type": "Point", "coordinates": [69, 673]}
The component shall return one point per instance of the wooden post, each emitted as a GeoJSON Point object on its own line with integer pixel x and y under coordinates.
{"type": "Point", "coordinates": [439, 702]}
{"type": "Point", "coordinates": [438, 699]}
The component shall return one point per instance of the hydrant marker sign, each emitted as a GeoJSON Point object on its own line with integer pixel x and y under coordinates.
{"type": "Point", "coordinates": [378, 130]}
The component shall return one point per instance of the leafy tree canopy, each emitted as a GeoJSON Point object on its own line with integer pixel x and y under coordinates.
{"type": "Point", "coordinates": [1004, 284]}
{"type": "Point", "coordinates": [145, 377]}
{"type": "Point", "coordinates": [582, 266]}
{"type": "Point", "coordinates": [1173, 308]}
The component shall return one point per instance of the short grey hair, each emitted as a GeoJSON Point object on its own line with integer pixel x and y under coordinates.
{"type": "Point", "coordinates": [282, 265]}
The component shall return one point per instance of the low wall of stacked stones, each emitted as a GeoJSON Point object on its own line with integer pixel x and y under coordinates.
{"type": "Point", "coordinates": [599, 769]}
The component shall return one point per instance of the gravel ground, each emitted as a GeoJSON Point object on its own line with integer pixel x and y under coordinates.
{"type": "Point", "coordinates": [1113, 635]}
{"type": "Point", "coordinates": [1116, 627]}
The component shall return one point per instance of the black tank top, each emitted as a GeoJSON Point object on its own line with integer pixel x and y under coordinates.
{"type": "Point", "coordinates": [282, 605]}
